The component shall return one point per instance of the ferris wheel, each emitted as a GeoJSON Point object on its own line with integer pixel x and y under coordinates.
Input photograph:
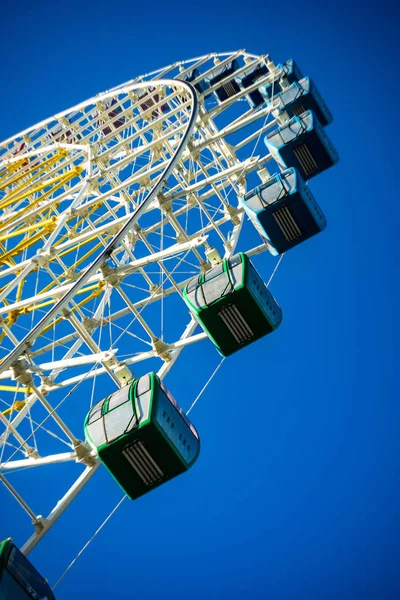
{"type": "Point", "coordinates": [119, 221]}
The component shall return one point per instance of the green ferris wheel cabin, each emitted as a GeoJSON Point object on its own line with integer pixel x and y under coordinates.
{"type": "Point", "coordinates": [232, 304]}
{"type": "Point", "coordinates": [142, 436]}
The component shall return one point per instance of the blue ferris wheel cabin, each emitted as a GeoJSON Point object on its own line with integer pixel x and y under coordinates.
{"type": "Point", "coordinates": [19, 580]}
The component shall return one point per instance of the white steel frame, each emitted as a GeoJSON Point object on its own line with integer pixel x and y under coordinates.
{"type": "Point", "coordinates": [83, 149]}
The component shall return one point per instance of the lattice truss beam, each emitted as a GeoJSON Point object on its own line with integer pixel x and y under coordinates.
{"type": "Point", "coordinates": [68, 187]}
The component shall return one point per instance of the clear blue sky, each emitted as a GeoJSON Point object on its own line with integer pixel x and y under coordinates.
{"type": "Point", "coordinates": [296, 494]}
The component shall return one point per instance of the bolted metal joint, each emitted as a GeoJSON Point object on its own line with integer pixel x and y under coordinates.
{"type": "Point", "coordinates": [41, 259]}
{"type": "Point", "coordinates": [31, 452]}
{"type": "Point", "coordinates": [40, 523]}
{"type": "Point", "coordinates": [164, 203]}
{"type": "Point", "coordinates": [20, 373]}
{"type": "Point", "coordinates": [233, 214]}
{"type": "Point", "coordinates": [124, 374]}
{"type": "Point", "coordinates": [110, 275]}
{"type": "Point", "coordinates": [84, 454]}
{"type": "Point", "coordinates": [90, 324]}
{"type": "Point", "coordinates": [213, 256]}
{"type": "Point", "coordinates": [66, 312]}
{"type": "Point", "coordinates": [162, 349]}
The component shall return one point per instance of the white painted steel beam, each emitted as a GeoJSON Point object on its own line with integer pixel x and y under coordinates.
{"type": "Point", "coordinates": [51, 459]}
{"type": "Point", "coordinates": [43, 525]}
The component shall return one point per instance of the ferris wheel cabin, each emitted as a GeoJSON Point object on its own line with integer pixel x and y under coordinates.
{"type": "Point", "coordinates": [291, 70]}
{"type": "Point", "coordinates": [61, 135]}
{"type": "Point", "coordinates": [150, 98]}
{"type": "Point", "coordinates": [225, 74]}
{"type": "Point", "coordinates": [142, 436]}
{"type": "Point", "coordinates": [115, 121]}
{"type": "Point", "coordinates": [284, 211]}
{"type": "Point", "coordinates": [232, 304]}
{"type": "Point", "coordinates": [302, 96]}
{"type": "Point", "coordinates": [289, 73]}
{"type": "Point", "coordinates": [302, 143]}
{"type": "Point", "coordinates": [19, 580]}
{"type": "Point", "coordinates": [201, 86]}
{"type": "Point", "coordinates": [249, 77]}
